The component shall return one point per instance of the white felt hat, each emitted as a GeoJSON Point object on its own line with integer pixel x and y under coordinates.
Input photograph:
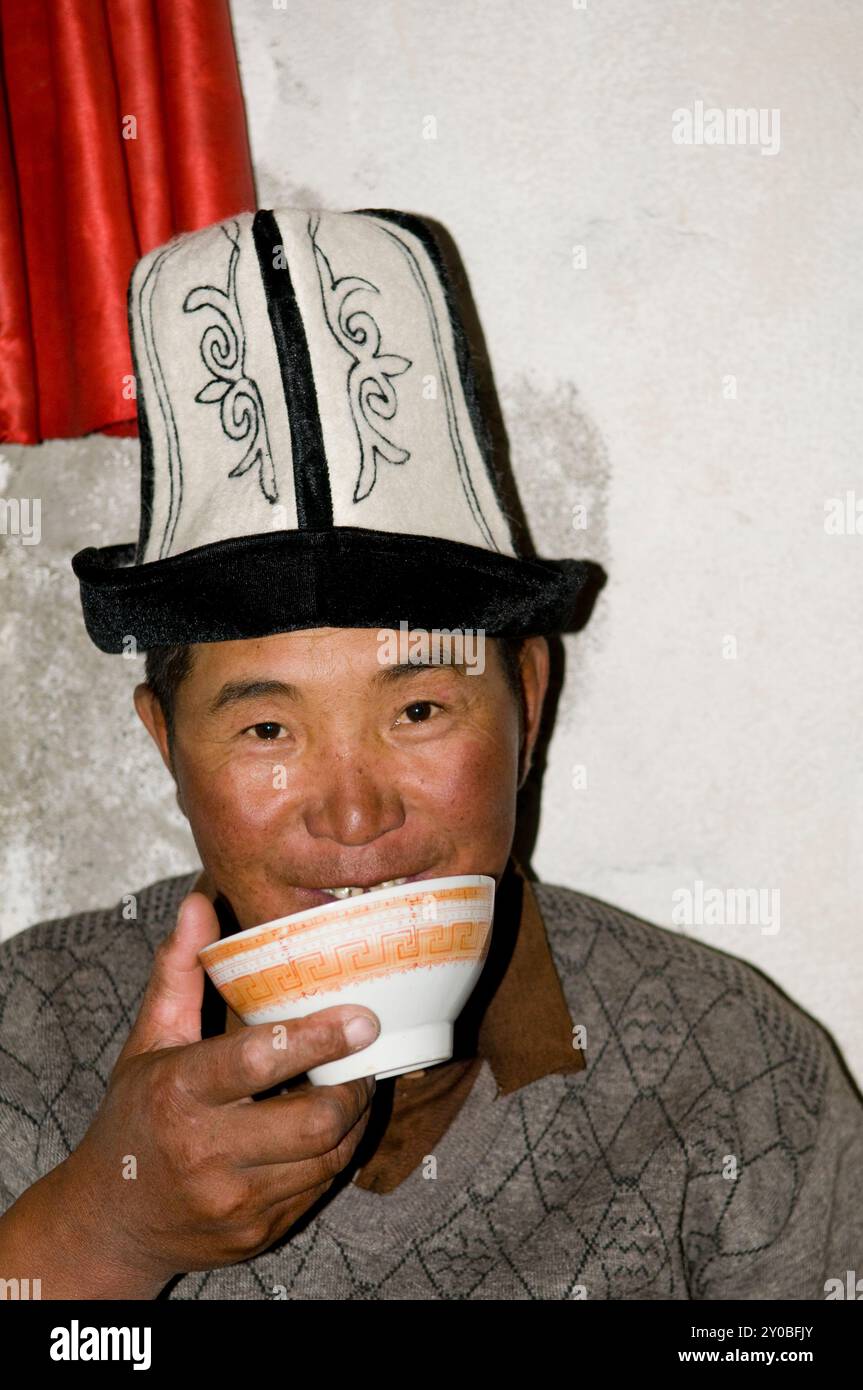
{"type": "Point", "coordinates": [313, 452]}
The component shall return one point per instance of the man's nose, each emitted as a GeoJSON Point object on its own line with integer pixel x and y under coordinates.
{"type": "Point", "coordinates": [351, 801]}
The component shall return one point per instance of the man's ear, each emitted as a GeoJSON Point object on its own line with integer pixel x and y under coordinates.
{"type": "Point", "coordinates": [151, 716]}
{"type": "Point", "coordinates": [535, 667]}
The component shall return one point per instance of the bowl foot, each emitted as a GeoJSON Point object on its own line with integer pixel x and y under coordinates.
{"type": "Point", "coordinates": [409, 1049]}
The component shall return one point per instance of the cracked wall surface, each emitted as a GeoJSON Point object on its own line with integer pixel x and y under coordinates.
{"type": "Point", "coordinates": [674, 336]}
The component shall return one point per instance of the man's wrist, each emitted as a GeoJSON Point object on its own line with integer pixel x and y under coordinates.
{"type": "Point", "coordinates": [52, 1234]}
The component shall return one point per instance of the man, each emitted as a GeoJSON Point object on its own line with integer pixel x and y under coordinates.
{"type": "Point", "coordinates": [627, 1114]}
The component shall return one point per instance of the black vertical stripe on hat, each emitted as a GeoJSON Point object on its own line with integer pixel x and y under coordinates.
{"type": "Point", "coordinates": [311, 475]}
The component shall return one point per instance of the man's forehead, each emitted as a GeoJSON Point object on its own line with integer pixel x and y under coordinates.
{"type": "Point", "coordinates": [382, 677]}
{"type": "Point", "coordinates": [281, 664]}
{"type": "Point", "coordinates": [300, 639]}
{"type": "Point", "coordinates": [379, 647]}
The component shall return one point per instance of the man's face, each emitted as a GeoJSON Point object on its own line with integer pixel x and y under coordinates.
{"type": "Point", "coordinates": [353, 773]}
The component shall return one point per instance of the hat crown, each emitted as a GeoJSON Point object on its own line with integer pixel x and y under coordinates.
{"type": "Point", "coordinates": [302, 370]}
{"type": "Point", "coordinates": [313, 448]}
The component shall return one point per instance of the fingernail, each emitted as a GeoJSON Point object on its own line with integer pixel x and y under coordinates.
{"type": "Point", "coordinates": [360, 1031]}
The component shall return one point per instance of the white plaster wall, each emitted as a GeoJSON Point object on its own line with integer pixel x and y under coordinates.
{"type": "Point", "coordinates": [704, 262]}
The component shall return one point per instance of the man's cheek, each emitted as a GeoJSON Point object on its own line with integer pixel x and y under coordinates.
{"type": "Point", "coordinates": [466, 779]}
{"type": "Point", "coordinates": [236, 799]}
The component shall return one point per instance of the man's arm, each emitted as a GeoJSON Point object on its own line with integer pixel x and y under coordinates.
{"type": "Point", "coordinates": [216, 1180]}
{"type": "Point", "coordinates": [49, 1235]}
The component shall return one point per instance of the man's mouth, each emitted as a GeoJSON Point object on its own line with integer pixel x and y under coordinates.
{"type": "Point", "coordinates": [354, 892]}
{"type": "Point", "coordinates": [337, 892]}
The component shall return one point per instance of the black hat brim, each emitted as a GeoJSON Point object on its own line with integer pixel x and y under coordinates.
{"type": "Point", "coordinates": [343, 576]}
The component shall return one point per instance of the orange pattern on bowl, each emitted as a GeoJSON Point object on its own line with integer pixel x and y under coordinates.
{"type": "Point", "coordinates": [350, 962]}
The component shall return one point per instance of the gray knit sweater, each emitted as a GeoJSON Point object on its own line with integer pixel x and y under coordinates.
{"type": "Point", "coordinates": [616, 1182]}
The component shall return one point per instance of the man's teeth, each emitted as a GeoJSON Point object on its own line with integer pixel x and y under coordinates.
{"type": "Point", "coordinates": [355, 892]}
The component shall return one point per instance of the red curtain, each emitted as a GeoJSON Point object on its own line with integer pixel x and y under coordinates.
{"type": "Point", "coordinates": [123, 123]}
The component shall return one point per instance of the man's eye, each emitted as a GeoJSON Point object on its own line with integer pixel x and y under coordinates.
{"type": "Point", "coordinates": [267, 725]}
{"type": "Point", "coordinates": [421, 706]}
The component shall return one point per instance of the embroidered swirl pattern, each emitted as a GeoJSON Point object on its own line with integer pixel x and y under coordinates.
{"type": "Point", "coordinates": [223, 349]}
{"type": "Point", "coordinates": [371, 394]}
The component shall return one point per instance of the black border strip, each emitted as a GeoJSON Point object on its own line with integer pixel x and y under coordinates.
{"type": "Point", "coordinates": [311, 475]}
{"type": "Point", "coordinates": [145, 438]}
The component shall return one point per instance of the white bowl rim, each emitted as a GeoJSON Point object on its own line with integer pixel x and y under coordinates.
{"type": "Point", "coordinates": [323, 909]}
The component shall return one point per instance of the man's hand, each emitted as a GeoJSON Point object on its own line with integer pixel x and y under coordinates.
{"type": "Point", "coordinates": [180, 1170]}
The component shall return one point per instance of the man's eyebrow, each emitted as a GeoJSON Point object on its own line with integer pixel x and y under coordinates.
{"type": "Point", "coordinates": [388, 675]}
{"type": "Point", "coordinates": [234, 692]}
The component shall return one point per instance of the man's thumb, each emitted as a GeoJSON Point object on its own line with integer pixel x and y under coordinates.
{"type": "Point", "coordinates": [170, 1012]}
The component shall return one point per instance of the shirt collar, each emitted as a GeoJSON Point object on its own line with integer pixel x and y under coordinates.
{"type": "Point", "coordinates": [522, 1020]}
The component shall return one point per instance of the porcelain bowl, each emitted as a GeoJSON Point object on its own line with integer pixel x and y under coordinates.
{"type": "Point", "coordinates": [412, 953]}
